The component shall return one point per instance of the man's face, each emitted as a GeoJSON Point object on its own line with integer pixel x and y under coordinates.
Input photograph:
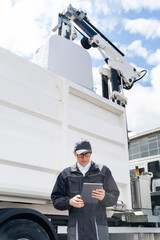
{"type": "Point", "coordinates": [83, 158]}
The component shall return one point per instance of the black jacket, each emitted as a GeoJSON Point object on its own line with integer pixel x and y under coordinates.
{"type": "Point", "coordinates": [69, 183]}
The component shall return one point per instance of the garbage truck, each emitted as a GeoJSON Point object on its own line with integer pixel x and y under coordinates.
{"type": "Point", "coordinates": [45, 106]}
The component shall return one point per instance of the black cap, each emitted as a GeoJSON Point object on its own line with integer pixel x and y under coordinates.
{"type": "Point", "coordinates": [82, 145]}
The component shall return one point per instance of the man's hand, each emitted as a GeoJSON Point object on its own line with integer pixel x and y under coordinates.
{"type": "Point", "coordinates": [98, 193]}
{"type": "Point", "coordinates": [76, 201]}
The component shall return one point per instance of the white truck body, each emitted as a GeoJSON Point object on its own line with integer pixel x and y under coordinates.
{"type": "Point", "coordinates": [41, 117]}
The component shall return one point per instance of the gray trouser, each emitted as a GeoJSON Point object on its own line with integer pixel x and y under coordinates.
{"type": "Point", "coordinates": [102, 233]}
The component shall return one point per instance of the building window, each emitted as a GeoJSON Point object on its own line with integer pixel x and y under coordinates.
{"type": "Point", "coordinates": [136, 150]}
{"type": "Point", "coordinates": [143, 140]}
{"type": "Point", "coordinates": [144, 146]}
{"type": "Point", "coordinates": [144, 154]}
{"type": "Point", "coordinates": [153, 152]}
{"type": "Point", "coordinates": [158, 136]}
{"type": "Point", "coordinates": [152, 138]}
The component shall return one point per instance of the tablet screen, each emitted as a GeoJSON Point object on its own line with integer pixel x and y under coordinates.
{"type": "Point", "coordinates": [86, 192]}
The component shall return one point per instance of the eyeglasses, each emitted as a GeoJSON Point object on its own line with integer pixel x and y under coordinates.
{"type": "Point", "coordinates": [84, 155]}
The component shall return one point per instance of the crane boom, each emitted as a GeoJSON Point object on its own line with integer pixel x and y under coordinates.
{"type": "Point", "coordinates": [73, 20]}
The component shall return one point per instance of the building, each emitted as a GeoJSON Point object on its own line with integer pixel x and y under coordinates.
{"type": "Point", "coordinates": [144, 152]}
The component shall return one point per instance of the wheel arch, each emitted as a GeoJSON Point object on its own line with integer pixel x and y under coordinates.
{"type": "Point", "coordinates": [8, 214]}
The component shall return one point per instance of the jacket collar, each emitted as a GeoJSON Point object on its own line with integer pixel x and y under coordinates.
{"type": "Point", "coordinates": [94, 166]}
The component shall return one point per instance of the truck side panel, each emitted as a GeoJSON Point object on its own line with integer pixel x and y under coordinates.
{"type": "Point", "coordinates": [42, 115]}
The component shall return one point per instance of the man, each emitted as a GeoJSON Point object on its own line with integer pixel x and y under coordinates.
{"type": "Point", "coordinates": [87, 221]}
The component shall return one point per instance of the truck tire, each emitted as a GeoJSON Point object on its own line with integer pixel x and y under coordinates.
{"type": "Point", "coordinates": [23, 229]}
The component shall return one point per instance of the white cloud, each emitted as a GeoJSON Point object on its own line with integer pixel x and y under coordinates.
{"type": "Point", "coordinates": [109, 23]}
{"type": "Point", "coordinates": [154, 58]}
{"type": "Point", "coordinates": [155, 80]}
{"type": "Point", "coordinates": [138, 5]}
{"type": "Point", "coordinates": [25, 24]}
{"type": "Point", "coordinates": [134, 49]}
{"type": "Point", "coordinates": [143, 104]}
{"type": "Point", "coordinates": [149, 28]}
{"type": "Point", "coordinates": [137, 49]}
{"type": "Point", "coordinates": [101, 7]}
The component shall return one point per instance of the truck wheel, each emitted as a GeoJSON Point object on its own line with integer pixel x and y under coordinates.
{"type": "Point", "coordinates": [23, 229]}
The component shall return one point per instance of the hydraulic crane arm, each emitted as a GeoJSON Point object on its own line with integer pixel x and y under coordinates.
{"type": "Point", "coordinates": [73, 20]}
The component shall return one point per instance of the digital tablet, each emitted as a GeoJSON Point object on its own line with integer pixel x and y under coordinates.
{"type": "Point", "coordinates": [86, 192]}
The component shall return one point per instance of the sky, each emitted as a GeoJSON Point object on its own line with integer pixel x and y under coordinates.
{"type": "Point", "coordinates": [133, 26]}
